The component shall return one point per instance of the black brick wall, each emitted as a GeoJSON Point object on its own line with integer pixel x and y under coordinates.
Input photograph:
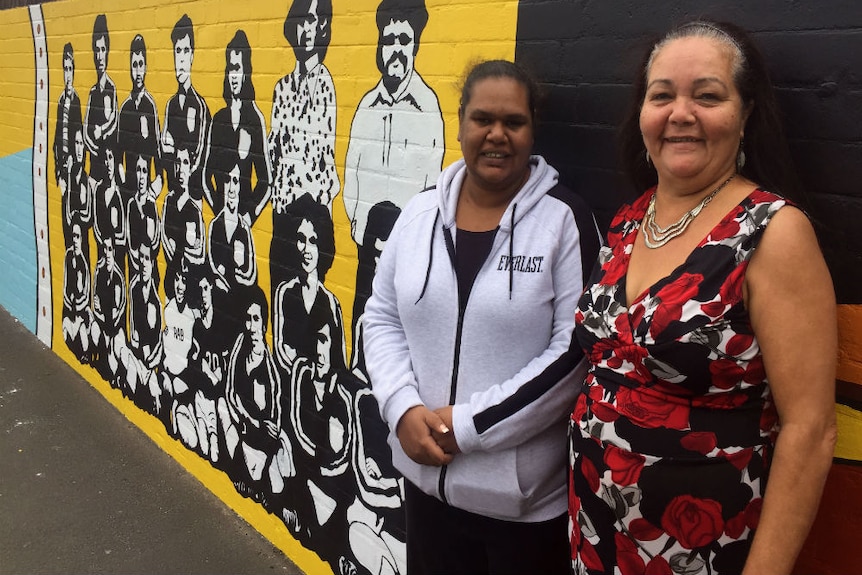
{"type": "Point", "coordinates": [585, 53]}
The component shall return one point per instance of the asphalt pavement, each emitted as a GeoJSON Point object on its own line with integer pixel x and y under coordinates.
{"type": "Point", "coordinates": [82, 490]}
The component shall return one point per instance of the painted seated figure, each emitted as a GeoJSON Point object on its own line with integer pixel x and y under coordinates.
{"type": "Point", "coordinates": [108, 331]}
{"type": "Point", "coordinates": [142, 357]}
{"type": "Point", "coordinates": [251, 417]}
{"type": "Point", "coordinates": [177, 380]}
{"type": "Point", "coordinates": [76, 298]}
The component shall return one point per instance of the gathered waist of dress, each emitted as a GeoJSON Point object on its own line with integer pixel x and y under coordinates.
{"type": "Point", "coordinates": [670, 426]}
{"type": "Point", "coordinates": [684, 448]}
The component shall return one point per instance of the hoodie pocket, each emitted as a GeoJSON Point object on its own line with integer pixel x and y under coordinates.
{"type": "Point", "coordinates": [487, 484]}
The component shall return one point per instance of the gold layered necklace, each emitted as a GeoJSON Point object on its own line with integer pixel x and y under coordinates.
{"type": "Point", "coordinates": [656, 236]}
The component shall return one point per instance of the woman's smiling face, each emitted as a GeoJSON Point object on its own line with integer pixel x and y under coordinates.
{"type": "Point", "coordinates": [496, 133]}
{"type": "Point", "coordinates": [692, 117]}
{"type": "Point", "coordinates": [306, 245]}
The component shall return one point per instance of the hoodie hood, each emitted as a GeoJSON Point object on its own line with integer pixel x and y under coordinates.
{"type": "Point", "coordinates": [542, 178]}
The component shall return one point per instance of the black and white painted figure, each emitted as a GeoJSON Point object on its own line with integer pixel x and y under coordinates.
{"type": "Point", "coordinates": [77, 202]}
{"type": "Point", "coordinates": [319, 420]}
{"type": "Point", "coordinates": [303, 295]}
{"type": "Point", "coordinates": [238, 136]}
{"type": "Point", "coordinates": [109, 211]}
{"type": "Point", "coordinates": [230, 245]}
{"type": "Point", "coordinates": [179, 321]}
{"type": "Point", "coordinates": [76, 298]}
{"type": "Point", "coordinates": [183, 233]}
{"type": "Point", "coordinates": [142, 217]}
{"type": "Point", "coordinates": [143, 355]}
{"type": "Point", "coordinates": [301, 141]}
{"type": "Point", "coordinates": [102, 114]}
{"type": "Point", "coordinates": [139, 129]}
{"type": "Point", "coordinates": [187, 117]}
{"type": "Point", "coordinates": [375, 518]}
{"type": "Point", "coordinates": [108, 330]}
{"type": "Point", "coordinates": [251, 418]}
{"type": "Point", "coordinates": [212, 341]}
{"type": "Point", "coordinates": [68, 121]}
{"type": "Point", "coordinates": [396, 139]}
{"type": "Point", "coordinates": [302, 305]}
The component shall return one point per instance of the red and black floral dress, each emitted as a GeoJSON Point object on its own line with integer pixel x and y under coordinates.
{"type": "Point", "coordinates": [672, 436]}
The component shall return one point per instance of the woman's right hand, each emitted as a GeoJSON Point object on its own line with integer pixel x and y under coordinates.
{"type": "Point", "coordinates": [414, 432]}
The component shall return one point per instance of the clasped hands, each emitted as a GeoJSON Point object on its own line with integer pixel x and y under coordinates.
{"type": "Point", "coordinates": [426, 436]}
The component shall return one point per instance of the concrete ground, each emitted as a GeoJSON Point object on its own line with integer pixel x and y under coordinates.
{"type": "Point", "coordinates": [82, 490]}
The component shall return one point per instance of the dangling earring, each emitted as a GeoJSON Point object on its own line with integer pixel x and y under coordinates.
{"type": "Point", "coordinates": [648, 160]}
{"type": "Point", "coordinates": [740, 156]}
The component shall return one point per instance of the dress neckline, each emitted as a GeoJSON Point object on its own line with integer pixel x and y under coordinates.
{"type": "Point", "coordinates": [631, 237]}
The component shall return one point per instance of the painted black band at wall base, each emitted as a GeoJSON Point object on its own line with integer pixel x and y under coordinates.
{"type": "Point", "coordinates": [849, 394]}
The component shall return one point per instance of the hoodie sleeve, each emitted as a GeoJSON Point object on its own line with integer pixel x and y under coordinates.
{"type": "Point", "coordinates": [387, 356]}
{"type": "Point", "coordinates": [544, 391]}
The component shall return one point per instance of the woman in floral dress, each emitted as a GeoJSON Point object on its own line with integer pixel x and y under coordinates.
{"type": "Point", "coordinates": [711, 332]}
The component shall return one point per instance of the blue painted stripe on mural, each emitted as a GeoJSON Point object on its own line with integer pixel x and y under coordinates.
{"type": "Point", "coordinates": [17, 238]}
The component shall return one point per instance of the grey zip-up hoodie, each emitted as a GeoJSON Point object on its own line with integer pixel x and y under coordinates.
{"type": "Point", "coordinates": [507, 363]}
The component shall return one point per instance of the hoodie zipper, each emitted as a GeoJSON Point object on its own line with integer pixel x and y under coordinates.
{"type": "Point", "coordinates": [456, 360]}
{"type": "Point", "coordinates": [453, 389]}
{"type": "Point", "coordinates": [453, 385]}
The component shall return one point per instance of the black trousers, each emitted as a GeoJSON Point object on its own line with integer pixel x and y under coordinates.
{"type": "Point", "coordinates": [442, 539]}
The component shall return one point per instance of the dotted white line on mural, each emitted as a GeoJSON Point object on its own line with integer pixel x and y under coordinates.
{"type": "Point", "coordinates": [44, 315]}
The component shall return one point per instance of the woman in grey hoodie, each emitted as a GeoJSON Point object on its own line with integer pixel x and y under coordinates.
{"type": "Point", "coordinates": [468, 342]}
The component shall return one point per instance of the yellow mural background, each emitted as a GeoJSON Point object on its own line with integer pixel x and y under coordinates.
{"type": "Point", "coordinates": [449, 43]}
{"type": "Point", "coordinates": [16, 82]}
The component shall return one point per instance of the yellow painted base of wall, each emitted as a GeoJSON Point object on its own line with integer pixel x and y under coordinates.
{"type": "Point", "coordinates": [849, 446]}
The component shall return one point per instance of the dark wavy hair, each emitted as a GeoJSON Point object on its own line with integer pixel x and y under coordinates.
{"type": "Point", "coordinates": [148, 160]}
{"type": "Point", "coordinates": [179, 266]}
{"type": "Point", "coordinates": [138, 46]}
{"type": "Point", "coordinates": [411, 11]}
{"type": "Point", "coordinates": [69, 54]}
{"type": "Point", "coordinates": [305, 208]}
{"type": "Point", "coordinates": [183, 28]}
{"type": "Point", "coordinates": [500, 69]}
{"type": "Point", "coordinates": [100, 30]}
{"type": "Point", "coordinates": [299, 9]}
{"type": "Point", "coordinates": [239, 43]}
{"type": "Point", "coordinates": [111, 145]}
{"type": "Point", "coordinates": [197, 273]}
{"type": "Point", "coordinates": [768, 159]}
{"type": "Point", "coordinates": [253, 294]}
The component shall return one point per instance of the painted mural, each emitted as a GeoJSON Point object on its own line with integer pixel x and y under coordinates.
{"type": "Point", "coordinates": [197, 237]}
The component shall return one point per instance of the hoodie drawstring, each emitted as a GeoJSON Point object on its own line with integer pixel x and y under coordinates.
{"type": "Point", "coordinates": [430, 258]}
{"type": "Point", "coordinates": [451, 248]}
{"type": "Point", "coordinates": [511, 242]}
